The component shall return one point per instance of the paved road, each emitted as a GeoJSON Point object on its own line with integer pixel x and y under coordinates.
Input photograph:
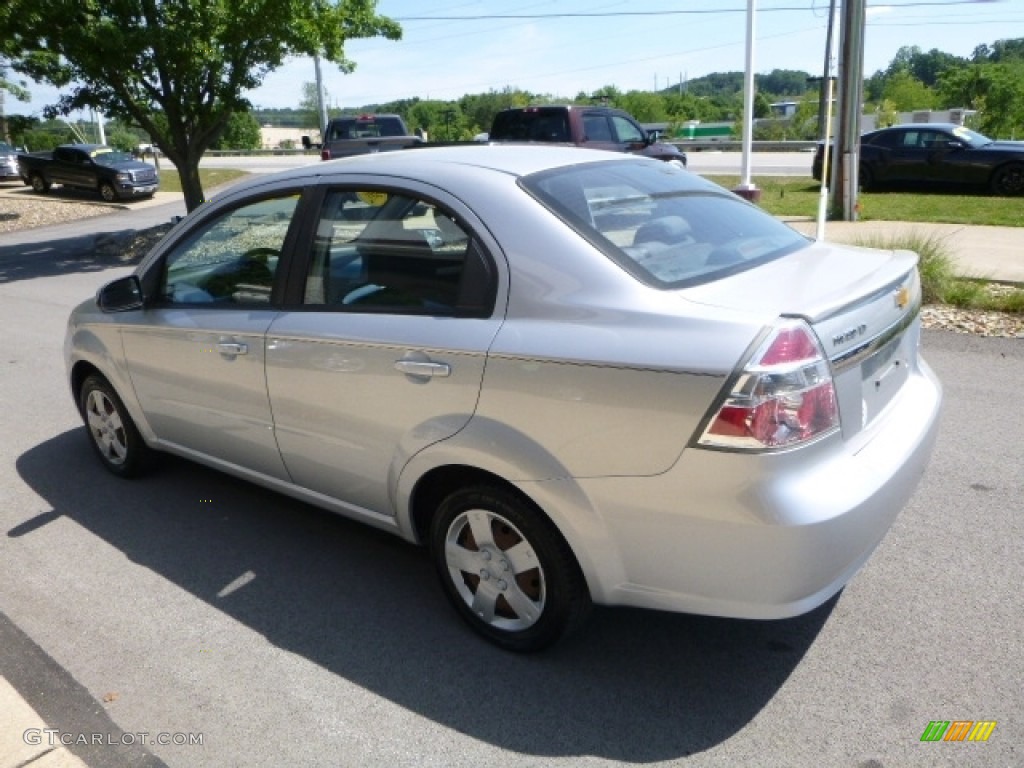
{"type": "Point", "coordinates": [191, 604]}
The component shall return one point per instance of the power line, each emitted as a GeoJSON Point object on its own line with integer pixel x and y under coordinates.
{"type": "Point", "coordinates": [677, 12]}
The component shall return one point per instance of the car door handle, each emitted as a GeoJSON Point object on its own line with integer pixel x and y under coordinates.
{"type": "Point", "coordinates": [422, 368]}
{"type": "Point", "coordinates": [232, 348]}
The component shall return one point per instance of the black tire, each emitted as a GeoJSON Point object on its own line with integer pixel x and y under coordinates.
{"type": "Point", "coordinates": [111, 430]}
{"type": "Point", "coordinates": [107, 192]}
{"type": "Point", "coordinates": [1008, 180]}
{"type": "Point", "coordinates": [521, 606]}
{"type": "Point", "coordinates": [38, 183]}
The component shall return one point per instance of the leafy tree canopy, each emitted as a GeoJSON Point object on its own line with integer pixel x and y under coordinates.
{"type": "Point", "coordinates": [176, 68]}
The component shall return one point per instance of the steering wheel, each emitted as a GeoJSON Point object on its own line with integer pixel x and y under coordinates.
{"type": "Point", "coordinates": [262, 254]}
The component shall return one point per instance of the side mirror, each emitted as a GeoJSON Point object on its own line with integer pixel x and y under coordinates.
{"type": "Point", "coordinates": [120, 295]}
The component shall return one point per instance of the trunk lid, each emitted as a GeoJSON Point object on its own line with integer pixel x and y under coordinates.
{"type": "Point", "coordinates": [861, 303]}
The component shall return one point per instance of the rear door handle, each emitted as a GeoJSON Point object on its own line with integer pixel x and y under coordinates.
{"type": "Point", "coordinates": [232, 348]}
{"type": "Point", "coordinates": [423, 369]}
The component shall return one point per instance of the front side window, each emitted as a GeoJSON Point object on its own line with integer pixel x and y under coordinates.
{"type": "Point", "coordinates": [383, 251]}
{"type": "Point", "coordinates": [665, 226]}
{"type": "Point", "coordinates": [232, 259]}
{"type": "Point", "coordinates": [626, 130]}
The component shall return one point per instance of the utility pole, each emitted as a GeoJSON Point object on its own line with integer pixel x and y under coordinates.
{"type": "Point", "coordinates": [827, 72]}
{"type": "Point", "coordinates": [846, 158]}
{"type": "Point", "coordinates": [320, 101]}
{"type": "Point", "coordinates": [747, 189]}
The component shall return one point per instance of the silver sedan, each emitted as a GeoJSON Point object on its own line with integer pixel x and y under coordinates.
{"type": "Point", "coordinates": [576, 377]}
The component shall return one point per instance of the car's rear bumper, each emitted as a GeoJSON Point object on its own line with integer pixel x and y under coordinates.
{"type": "Point", "coordinates": [761, 536]}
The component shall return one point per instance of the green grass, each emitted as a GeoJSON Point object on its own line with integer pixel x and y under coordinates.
{"type": "Point", "coordinates": [210, 178]}
{"type": "Point", "coordinates": [788, 196]}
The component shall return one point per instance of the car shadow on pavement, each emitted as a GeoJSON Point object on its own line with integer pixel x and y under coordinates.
{"type": "Point", "coordinates": [631, 686]}
{"type": "Point", "coordinates": [85, 253]}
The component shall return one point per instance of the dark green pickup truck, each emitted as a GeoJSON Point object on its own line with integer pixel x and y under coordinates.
{"type": "Point", "coordinates": [114, 175]}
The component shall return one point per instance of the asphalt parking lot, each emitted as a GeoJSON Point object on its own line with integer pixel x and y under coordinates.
{"type": "Point", "coordinates": [190, 603]}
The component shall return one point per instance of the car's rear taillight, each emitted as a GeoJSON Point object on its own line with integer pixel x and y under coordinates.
{"type": "Point", "coordinates": [784, 395]}
{"type": "Point", "coordinates": [325, 154]}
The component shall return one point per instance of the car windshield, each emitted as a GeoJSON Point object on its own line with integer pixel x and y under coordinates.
{"type": "Point", "coordinates": [665, 226]}
{"type": "Point", "coordinates": [5, 148]}
{"type": "Point", "coordinates": [110, 157]}
{"type": "Point", "coordinates": [971, 138]}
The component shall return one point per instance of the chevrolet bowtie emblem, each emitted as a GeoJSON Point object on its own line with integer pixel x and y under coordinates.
{"type": "Point", "coordinates": [902, 297]}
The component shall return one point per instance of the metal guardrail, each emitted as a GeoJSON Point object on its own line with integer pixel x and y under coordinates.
{"type": "Point", "coordinates": [700, 145]}
{"type": "Point", "coordinates": [260, 152]}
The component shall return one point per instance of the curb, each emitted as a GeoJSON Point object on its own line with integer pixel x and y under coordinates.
{"type": "Point", "coordinates": [24, 740]}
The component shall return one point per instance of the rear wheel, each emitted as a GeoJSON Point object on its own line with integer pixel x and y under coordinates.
{"type": "Point", "coordinates": [866, 179]}
{"type": "Point", "coordinates": [107, 192]}
{"type": "Point", "coordinates": [113, 433]}
{"type": "Point", "coordinates": [507, 571]}
{"type": "Point", "coordinates": [38, 183]}
{"type": "Point", "coordinates": [1008, 180]}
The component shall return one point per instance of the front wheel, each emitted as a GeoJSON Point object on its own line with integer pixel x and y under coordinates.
{"type": "Point", "coordinates": [1008, 180]}
{"type": "Point", "coordinates": [107, 192]}
{"type": "Point", "coordinates": [505, 568]}
{"type": "Point", "coordinates": [38, 183]}
{"type": "Point", "coordinates": [114, 435]}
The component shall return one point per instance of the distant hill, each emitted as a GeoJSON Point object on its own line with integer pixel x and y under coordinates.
{"type": "Point", "coordinates": [778, 82]}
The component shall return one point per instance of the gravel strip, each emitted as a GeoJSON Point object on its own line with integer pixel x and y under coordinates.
{"type": "Point", "coordinates": [18, 214]}
{"type": "Point", "coordinates": [26, 214]}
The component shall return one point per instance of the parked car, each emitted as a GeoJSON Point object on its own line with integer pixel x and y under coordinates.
{"type": "Point", "coordinates": [937, 155]}
{"type": "Point", "coordinates": [115, 175]}
{"type": "Point", "coordinates": [576, 376]}
{"type": "Point", "coordinates": [362, 134]}
{"type": "Point", "coordinates": [8, 162]}
{"type": "Point", "coordinates": [592, 127]}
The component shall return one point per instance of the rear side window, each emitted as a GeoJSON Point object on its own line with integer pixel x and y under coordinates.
{"type": "Point", "coordinates": [384, 252]}
{"type": "Point", "coordinates": [665, 226]}
{"type": "Point", "coordinates": [595, 128]}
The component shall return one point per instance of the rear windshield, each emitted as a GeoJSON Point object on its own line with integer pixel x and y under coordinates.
{"type": "Point", "coordinates": [533, 124]}
{"type": "Point", "coordinates": [667, 227]}
{"type": "Point", "coordinates": [364, 128]}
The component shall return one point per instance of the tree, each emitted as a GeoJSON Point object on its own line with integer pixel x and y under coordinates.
{"type": "Point", "coordinates": [1001, 50]}
{"type": "Point", "coordinates": [906, 93]}
{"type": "Point", "coordinates": [995, 90]}
{"type": "Point", "coordinates": [176, 68]}
{"type": "Point", "coordinates": [17, 90]}
{"type": "Point", "coordinates": [242, 132]}
{"type": "Point", "coordinates": [645, 106]}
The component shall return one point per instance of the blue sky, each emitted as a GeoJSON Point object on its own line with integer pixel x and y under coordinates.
{"type": "Point", "coordinates": [554, 52]}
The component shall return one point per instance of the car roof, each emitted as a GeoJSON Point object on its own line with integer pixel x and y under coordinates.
{"type": "Point", "coordinates": [425, 161]}
{"type": "Point", "coordinates": [920, 127]}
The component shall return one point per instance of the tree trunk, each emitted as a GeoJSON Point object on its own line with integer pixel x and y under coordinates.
{"type": "Point", "coordinates": [191, 185]}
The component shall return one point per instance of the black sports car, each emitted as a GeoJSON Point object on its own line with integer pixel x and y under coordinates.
{"type": "Point", "coordinates": [937, 155]}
